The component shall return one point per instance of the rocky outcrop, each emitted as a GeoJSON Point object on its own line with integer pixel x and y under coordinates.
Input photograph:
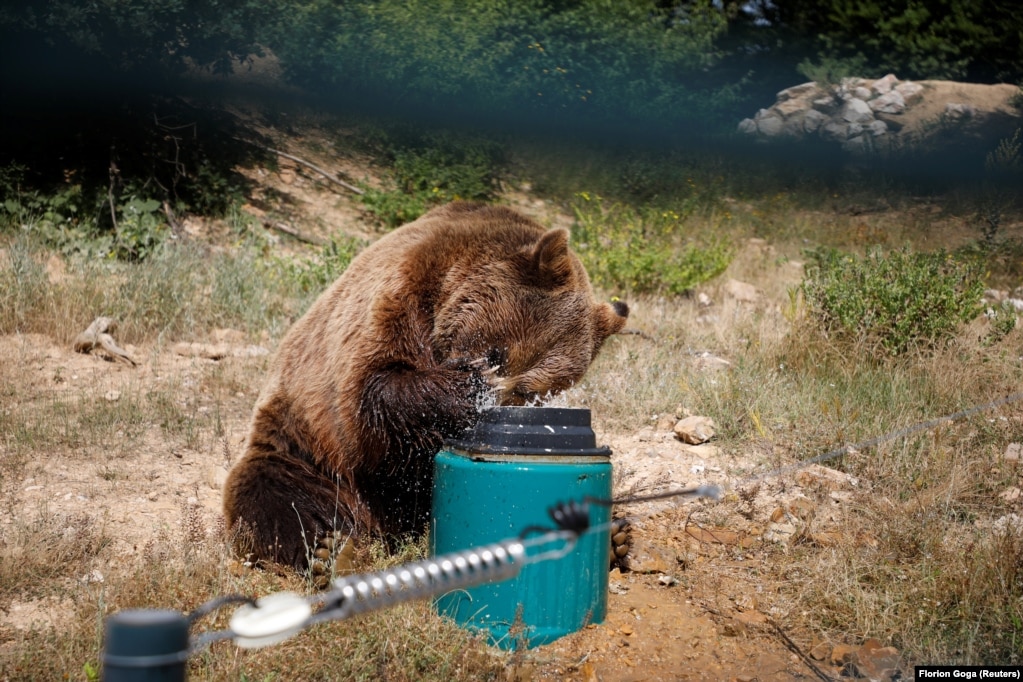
{"type": "Point", "coordinates": [860, 114]}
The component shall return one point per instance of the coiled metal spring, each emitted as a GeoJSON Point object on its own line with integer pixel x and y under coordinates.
{"type": "Point", "coordinates": [423, 579]}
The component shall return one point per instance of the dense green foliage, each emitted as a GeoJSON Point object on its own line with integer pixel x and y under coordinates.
{"type": "Point", "coordinates": [900, 300]}
{"type": "Point", "coordinates": [431, 168]}
{"type": "Point", "coordinates": [589, 58]}
{"type": "Point", "coordinates": [950, 39]}
{"type": "Point", "coordinates": [143, 34]}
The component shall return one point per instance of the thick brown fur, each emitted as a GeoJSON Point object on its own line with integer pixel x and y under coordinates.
{"type": "Point", "coordinates": [468, 303]}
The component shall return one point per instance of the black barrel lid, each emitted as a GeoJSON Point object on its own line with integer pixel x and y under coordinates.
{"type": "Point", "coordinates": [531, 431]}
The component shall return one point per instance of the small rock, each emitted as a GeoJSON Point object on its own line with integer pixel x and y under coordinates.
{"type": "Point", "coordinates": [857, 111]}
{"type": "Point", "coordinates": [841, 653]}
{"type": "Point", "coordinates": [1013, 452]}
{"type": "Point", "coordinates": [665, 422]}
{"type": "Point", "coordinates": [745, 602]}
{"type": "Point", "coordinates": [202, 350]}
{"type": "Point", "coordinates": [1010, 523]}
{"type": "Point", "coordinates": [877, 128]}
{"type": "Point", "coordinates": [884, 85]}
{"type": "Point", "coordinates": [704, 300]}
{"type": "Point", "coordinates": [1011, 495]}
{"type": "Point", "coordinates": [818, 476]}
{"type": "Point", "coordinates": [705, 450]}
{"type": "Point", "coordinates": [733, 628]}
{"type": "Point", "coordinates": [910, 91]}
{"type": "Point", "coordinates": [770, 126]}
{"type": "Point", "coordinates": [741, 291]}
{"type": "Point", "coordinates": [835, 130]}
{"type": "Point", "coordinates": [626, 630]}
{"type": "Point", "coordinates": [1016, 303]}
{"type": "Point", "coordinates": [820, 651]}
{"type": "Point", "coordinates": [813, 120]}
{"type": "Point", "coordinates": [888, 103]}
{"type": "Point", "coordinates": [862, 93]}
{"type": "Point", "coordinates": [112, 396]}
{"type": "Point", "coordinates": [798, 91]}
{"type": "Point", "coordinates": [92, 577]}
{"type": "Point", "coordinates": [666, 580]}
{"type": "Point", "coordinates": [825, 105]}
{"type": "Point", "coordinates": [875, 662]}
{"type": "Point", "coordinates": [695, 430]}
{"type": "Point", "coordinates": [789, 107]}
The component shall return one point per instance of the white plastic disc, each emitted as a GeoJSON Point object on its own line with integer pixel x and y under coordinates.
{"type": "Point", "coordinates": [273, 619]}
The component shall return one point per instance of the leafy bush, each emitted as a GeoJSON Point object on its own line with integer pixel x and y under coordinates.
{"type": "Point", "coordinates": [69, 220]}
{"type": "Point", "coordinates": [900, 300]}
{"type": "Point", "coordinates": [433, 169]}
{"type": "Point", "coordinates": [643, 252]}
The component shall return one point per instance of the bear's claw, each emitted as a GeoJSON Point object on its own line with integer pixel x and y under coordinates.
{"type": "Point", "coordinates": [621, 543]}
{"type": "Point", "coordinates": [334, 555]}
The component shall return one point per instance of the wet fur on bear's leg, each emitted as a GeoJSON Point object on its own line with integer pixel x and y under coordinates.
{"type": "Point", "coordinates": [412, 411]}
{"type": "Point", "coordinates": [281, 506]}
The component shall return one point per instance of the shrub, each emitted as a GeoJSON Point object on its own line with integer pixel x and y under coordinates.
{"type": "Point", "coordinates": [434, 169]}
{"type": "Point", "coordinates": [643, 252]}
{"type": "Point", "coordinates": [900, 300]}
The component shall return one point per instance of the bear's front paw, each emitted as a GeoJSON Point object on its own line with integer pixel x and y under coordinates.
{"type": "Point", "coordinates": [621, 543]}
{"type": "Point", "coordinates": [334, 555]}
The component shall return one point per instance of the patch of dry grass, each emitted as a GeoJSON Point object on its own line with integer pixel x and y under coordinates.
{"type": "Point", "coordinates": [184, 568]}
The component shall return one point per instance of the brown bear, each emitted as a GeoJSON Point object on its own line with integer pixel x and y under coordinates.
{"type": "Point", "coordinates": [468, 304]}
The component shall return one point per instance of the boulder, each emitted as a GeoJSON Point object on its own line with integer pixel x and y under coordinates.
{"type": "Point", "coordinates": [857, 110]}
{"type": "Point", "coordinates": [883, 86]}
{"type": "Point", "coordinates": [770, 126]}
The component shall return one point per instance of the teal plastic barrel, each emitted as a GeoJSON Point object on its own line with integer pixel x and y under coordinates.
{"type": "Point", "coordinates": [499, 479]}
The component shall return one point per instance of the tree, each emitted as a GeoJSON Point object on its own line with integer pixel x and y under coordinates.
{"type": "Point", "coordinates": [977, 40]}
{"type": "Point", "coordinates": [147, 34]}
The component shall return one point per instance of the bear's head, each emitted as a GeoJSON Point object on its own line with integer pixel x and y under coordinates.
{"type": "Point", "coordinates": [531, 318]}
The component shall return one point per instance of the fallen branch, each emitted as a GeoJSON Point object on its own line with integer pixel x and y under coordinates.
{"type": "Point", "coordinates": [307, 164]}
{"type": "Point", "coordinates": [289, 230]}
{"type": "Point", "coordinates": [98, 336]}
{"type": "Point", "coordinates": [631, 331]}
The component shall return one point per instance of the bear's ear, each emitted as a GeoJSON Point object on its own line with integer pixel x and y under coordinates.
{"type": "Point", "coordinates": [550, 261]}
